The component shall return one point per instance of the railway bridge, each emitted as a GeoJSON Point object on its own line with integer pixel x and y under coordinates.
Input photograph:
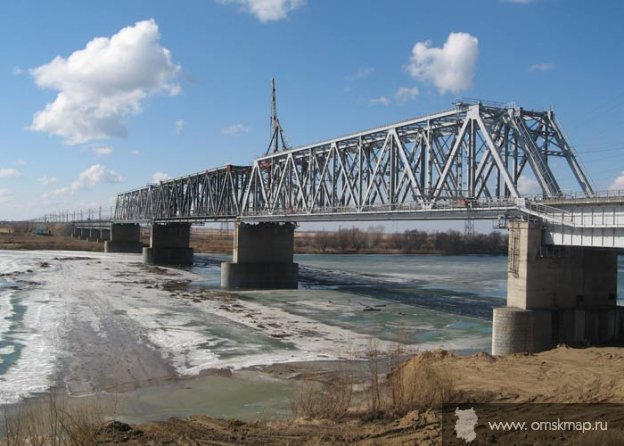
{"type": "Point", "coordinates": [463, 163]}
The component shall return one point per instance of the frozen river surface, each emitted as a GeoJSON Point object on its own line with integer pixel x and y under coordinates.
{"type": "Point", "coordinates": [88, 322]}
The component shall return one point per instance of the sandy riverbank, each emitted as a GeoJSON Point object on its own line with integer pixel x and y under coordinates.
{"type": "Point", "coordinates": [513, 386]}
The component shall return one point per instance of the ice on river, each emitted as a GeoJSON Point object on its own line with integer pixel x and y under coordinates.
{"type": "Point", "coordinates": [92, 321]}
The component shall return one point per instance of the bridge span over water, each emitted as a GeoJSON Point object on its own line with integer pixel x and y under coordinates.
{"type": "Point", "coordinates": [438, 166]}
{"type": "Point", "coordinates": [464, 163]}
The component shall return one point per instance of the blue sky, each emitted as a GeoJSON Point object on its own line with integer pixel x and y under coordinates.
{"type": "Point", "coordinates": [168, 89]}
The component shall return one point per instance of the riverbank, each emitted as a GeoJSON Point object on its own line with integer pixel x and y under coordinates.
{"type": "Point", "coordinates": [513, 385]}
{"type": "Point", "coordinates": [564, 383]}
{"type": "Point", "coordinates": [344, 241]}
{"type": "Point", "coordinates": [30, 241]}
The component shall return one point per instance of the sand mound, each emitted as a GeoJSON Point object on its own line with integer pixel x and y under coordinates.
{"type": "Point", "coordinates": [562, 375]}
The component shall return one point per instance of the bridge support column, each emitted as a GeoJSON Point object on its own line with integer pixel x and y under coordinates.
{"type": "Point", "coordinates": [262, 257]}
{"type": "Point", "coordinates": [104, 234]}
{"type": "Point", "coordinates": [124, 237]}
{"type": "Point", "coordinates": [556, 294]}
{"type": "Point", "coordinates": [169, 245]}
{"type": "Point", "coordinates": [94, 235]}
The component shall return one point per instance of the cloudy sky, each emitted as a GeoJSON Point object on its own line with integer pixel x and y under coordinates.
{"type": "Point", "coordinates": [98, 98]}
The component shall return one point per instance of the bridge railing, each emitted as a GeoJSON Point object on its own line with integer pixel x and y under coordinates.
{"type": "Point", "coordinates": [80, 215]}
{"type": "Point", "coordinates": [547, 213]}
{"type": "Point", "coordinates": [576, 195]}
{"type": "Point", "coordinates": [459, 207]}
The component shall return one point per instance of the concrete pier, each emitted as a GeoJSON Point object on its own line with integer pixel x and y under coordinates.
{"type": "Point", "coordinates": [556, 294]}
{"type": "Point", "coordinates": [124, 237]}
{"type": "Point", "coordinates": [75, 232]}
{"type": "Point", "coordinates": [95, 235]}
{"type": "Point", "coordinates": [104, 234]}
{"type": "Point", "coordinates": [262, 258]}
{"type": "Point", "coordinates": [169, 245]}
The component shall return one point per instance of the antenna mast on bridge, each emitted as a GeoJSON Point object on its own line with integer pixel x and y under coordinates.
{"type": "Point", "coordinates": [277, 132]}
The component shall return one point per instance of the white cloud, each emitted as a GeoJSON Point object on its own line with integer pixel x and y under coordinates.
{"type": "Point", "coordinates": [405, 94]}
{"type": "Point", "coordinates": [20, 162]}
{"type": "Point", "coordinates": [381, 100]}
{"type": "Point", "coordinates": [542, 67]}
{"type": "Point", "coordinates": [360, 73]}
{"type": "Point", "coordinates": [401, 96]}
{"type": "Point", "coordinates": [160, 176]}
{"type": "Point", "coordinates": [618, 182]}
{"type": "Point", "coordinates": [17, 71]}
{"type": "Point", "coordinates": [88, 179]}
{"type": "Point", "coordinates": [235, 130]}
{"type": "Point", "coordinates": [135, 152]}
{"type": "Point", "coordinates": [104, 82]}
{"type": "Point", "coordinates": [450, 68]}
{"type": "Point", "coordinates": [9, 172]}
{"type": "Point", "coordinates": [96, 174]}
{"type": "Point", "coordinates": [4, 195]}
{"type": "Point", "coordinates": [102, 151]}
{"type": "Point", "coordinates": [179, 126]}
{"type": "Point", "coordinates": [528, 186]}
{"type": "Point", "coordinates": [46, 180]}
{"type": "Point", "coordinates": [267, 10]}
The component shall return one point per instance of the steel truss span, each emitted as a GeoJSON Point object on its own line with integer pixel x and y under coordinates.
{"type": "Point", "coordinates": [465, 162]}
{"type": "Point", "coordinates": [213, 194]}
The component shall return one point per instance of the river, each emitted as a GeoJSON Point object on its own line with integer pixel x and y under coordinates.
{"type": "Point", "coordinates": [85, 322]}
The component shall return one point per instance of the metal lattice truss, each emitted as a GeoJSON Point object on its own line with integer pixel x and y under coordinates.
{"type": "Point", "coordinates": [470, 157]}
{"type": "Point", "coordinates": [473, 154]}
{"type": "Point", "coordinates": [211, 194]}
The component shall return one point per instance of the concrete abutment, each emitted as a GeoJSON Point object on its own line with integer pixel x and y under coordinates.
{"type": "Point", "coordinates": [262, 257]}
{"type": "Point", "coordinates": [556, 294]}
{"type": "Point", "coordinates": [169, 245]}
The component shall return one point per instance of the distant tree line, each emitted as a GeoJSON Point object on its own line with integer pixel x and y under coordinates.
{"type": "Point", "coordinates": [374, 240]}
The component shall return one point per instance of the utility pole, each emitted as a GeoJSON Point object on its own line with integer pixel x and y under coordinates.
{"type": "Point", "coordinates": [469, 230]}
{"type": "Point", "coordinates": [277, 132]}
